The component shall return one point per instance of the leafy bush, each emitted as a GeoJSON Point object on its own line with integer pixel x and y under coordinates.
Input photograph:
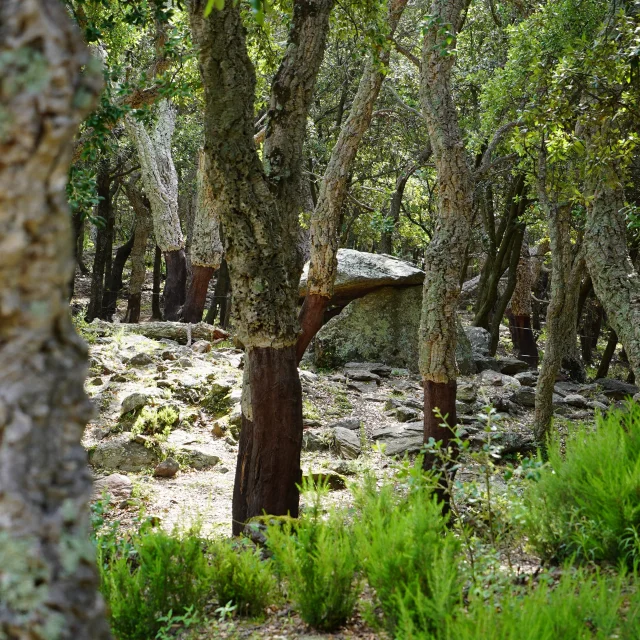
{"type": "Point", "coordinates": [241, 577]}
{"type": "Point", "coordinates": [152, 421]}
{"type": "Point", "coordinates": [156, 573]}
{"type": "Point", "coordinates": [587, 500]}
{"type": "Point", "coordinates": [317, 559]}
{"type": "Point", "coordinates": [406, 550]}
{"type": "Point", "coordinates": [580, 606]}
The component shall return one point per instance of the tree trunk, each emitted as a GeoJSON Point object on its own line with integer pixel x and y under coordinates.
{"type": "Point", "coordinates": [141, 208]}
{"type": "Point", "coordinates": [524, 340]}
{"type": "Point", "coordinates": [156, 312]}
{"type": "Point", "coordinates": [103, 244]}
{"type": "Point", "coordinates": [566, 274]}
{"type": "Point", "coordinates": [206, 248]}
{"type": "Point", "coordinates": [161, 187]}
{"type": "Point", "coordinates": [260, 201]}
{"type": "Point", "coordinates": [113, 283]}
{"type": "Point", "coordinates": [324, 231]}
{"type": "Point", "coordinates": [48, 578]}
{"type": "Point", "coordinates": [176, 331]}
{"type": "Point", "coordinates": [220, 296]}
{"type": "Point", "coordinates": [607, 356]}
{"type": "Point", "coordinates": [615, 280]}
{"type": "Point", "coordinates": [445, 254]}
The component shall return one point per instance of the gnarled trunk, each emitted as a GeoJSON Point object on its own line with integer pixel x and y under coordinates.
{"type": "Point", "coordinates": [206, 247]}
{"type": "Point", "coordinates": [259, 208]}
{"type": "Point", "coordinates": [161, 187]}
{"type": "Point", "coordinates": [324, 231]}
{"type": "Point", "coordinates": [48, 578]}
{"type": "Point", "coordinates": [445, 254]}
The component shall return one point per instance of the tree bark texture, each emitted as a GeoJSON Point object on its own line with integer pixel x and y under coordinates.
{"type": "Point", "coordinates": [445, 253]}
{"type": "Point", "coordinates": [615, 280]}
{"type": "Point", "coordinates": [325, 221]}
{"type": "Point", "coordinates": [160, 180]}
{"type": "Point", "coordinates": [567, 266]}
{"type": "Point", "coordinates": [48, 578]}
{"type": "Point", "coordinates": [142, 209]}
{"type": "Point", "coordinates": [206, 246]}
{"type": "Point", "coordinates": [260, 203]}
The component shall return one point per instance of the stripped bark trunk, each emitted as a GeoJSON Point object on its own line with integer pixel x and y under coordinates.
{"type": "Point", "coordinates": [161, 186]}
{"type": "Point", "coordinates": [445, 253]}
{"type": "Point", "coordinates": [567, 266]}
{"type": "Point", "coordinates": [259, 208]}
{"type": "Point", "coordinates": [206, 248]}
{"type": "Point", "coordinates": [324, 231]}
{"type": "Point", "coordinates": [615, 280]}
{"type": "Point", "coordinates": [48, 578]}
{"type": "Point", "coordinates": [142, 210]}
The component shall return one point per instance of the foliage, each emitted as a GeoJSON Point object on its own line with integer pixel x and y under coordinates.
{"type": "Point", "coordinates": [157, 574]}
{"type": "Point", "coordinates": [408, 554]}
{"type": "Point", "coordinates": [155, 421]}
{"type": "Point", "coordinates": [241, 579]}
{"type": "Point", "coordinates": [586, 502]}
{"type": "Point", "coordinates": [317, 559]}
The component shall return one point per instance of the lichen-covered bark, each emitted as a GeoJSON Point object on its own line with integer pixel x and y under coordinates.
{"type": "Point", "coordinates": [445, 253]}
{"type": "Point", "coordinates": [567, 266]}
{"type": "Point", "coordinates": [615, 280]}
{"type": "Point", "coordinates": [48, 579]}
{"type": "Point", "coordinates": [259, 209]}
{"type": "Point", "coordinates": [142, 210]}
{"type": "Point", "coordinates": [324, 232]}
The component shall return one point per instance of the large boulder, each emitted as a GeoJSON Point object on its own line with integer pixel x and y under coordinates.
{"type": "Point", "coordinates": [381, 326]}
{"type": "Point", "coordinates": [124, 453]}
{"type": "Point", "coordinates": [360, 273]}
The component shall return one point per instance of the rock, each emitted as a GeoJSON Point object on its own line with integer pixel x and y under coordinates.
{"type": "Point", "coordinates": [527, 378]}
{"type": "Point", "coordinates": [594, 404]}
{"type": "Point", "coordinates": [479, 338]}
{"type": "Point", "coordinates": [485, 363]}
{"type": "Point", "coordinates": [525, 396]}
{"type": "Point", "coordinates": [185, 363]}
{"type": "Point", "coordinates": [141, 360]}
{"type": "Point", "coordinates": [134, 402]}
{"type": "Point", "coordinates": [217, 429]}
{"type": "Point", "coordinates": [361, 375]}
{"type": "Point", "coordinates": [352, 424]}
{"type": "Point", "coordinates": [403, 442]}
{"type": "Point", "coordinates": [381, 326]}
{"type": "Point", "coordinates": [235, 420]}
{"type": "Point", "coordinates": [166, 469]}
{"type": "Point", "coordinates": [576, 400]}
{"type": "Point", "coordinates": [359, 273]}
{"type": "Point", "coordinates": [169, 355]}
{"type": "Point", "coordinates": [511, 366]}
{"type": "Point", "coordinates": [347, 443]}
{"type": "Point", "coordinates": [617, 389]}
{"type": "Point", "coordinates": [332, 480]}
{"type": "Point", "coordinates": [119, 377]}
{"type": "Point", "coordinates": [467, 392]}
{"type": "Point", "coordinates": [463, 408]}
{"type": "Point", "coordinates": [124, 454]}
{"type": "Point", "coordinates": [197, 458]}
{"type": "Point", "coordinates": [96, 382]}
{"type": "Point", "coordinates": [378, 368]}
{"type": "Point", "coordinates": [464, 352]}
{"type": "Point", "coordinates": [495, 379]}
{"type": "Point", "coordinates": [407, 414]}
{"type": "Point", "coordinates": [307, 376]}
{"type": "Point", "coordinates": [313, 440]}
{"type": "Point", "coordinates": [515, 442]}
{"type": "Point", "coordinates": [117, 486]}
{"type": "Point", "coordinates": [362, 387]}
{"type": "Point", "coordinates": [201, 346]}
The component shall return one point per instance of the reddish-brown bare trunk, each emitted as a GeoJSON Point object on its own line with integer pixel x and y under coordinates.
{"type": "Point", "coordinates": [311, 318]}
{"type": "Point", "coordinates": [440, 396]}
{"type": "Point", "coordinates": [176, 283]}
{"type": "Point", "coordinates": [268, 469]}
{"type": "Point", "coordinates": [524, 339]}
{"type": "Point", "coordinates": [197, 294]}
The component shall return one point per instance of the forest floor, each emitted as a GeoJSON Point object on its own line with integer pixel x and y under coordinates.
{"type": "Point", "coordinates": [345, 422]}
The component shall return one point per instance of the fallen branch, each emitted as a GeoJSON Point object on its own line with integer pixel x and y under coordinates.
{"type": "Point", "coordinates": [178, 331]}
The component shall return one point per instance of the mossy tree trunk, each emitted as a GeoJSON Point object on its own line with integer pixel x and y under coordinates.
{"type": "Point", "coordinates": [206, 247]}
{"type": "Point", "coordinates": [445, 254]}
{"type": "Point", "coordinates": [260, 203]}
{"type": "Point", "coordinates": [48, 577]}
{"type": "Point", "coordinates": [160, 181]}
{"type": "Point", "coordinates": [325, 221]}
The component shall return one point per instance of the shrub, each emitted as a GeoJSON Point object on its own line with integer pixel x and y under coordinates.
{"type": "Point", "coordinates": [241, 577]}
{"type": "Point", "coordinates": [317, 559]}
{"type": "Point", "coordinates": [152, 421]}
{"type": "Point", "coordinates": [580, 606]}
{"type": "Point", "coordinates": [587, 500]}
{"type": "Point", "coordinates": [407, 552]}
{"type": "Point", "coordinates": [154, 574]}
